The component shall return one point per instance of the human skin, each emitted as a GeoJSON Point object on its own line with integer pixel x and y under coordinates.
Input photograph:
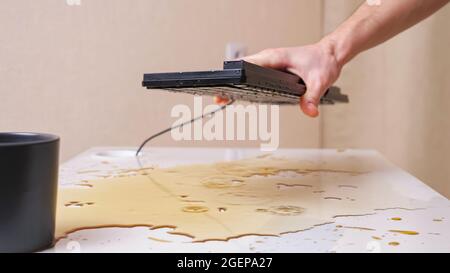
{"type": "Point", "coordinates": [320, 64]}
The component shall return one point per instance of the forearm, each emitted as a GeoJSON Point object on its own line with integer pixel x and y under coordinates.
{"type": "Point", "coordinates": [372, 25]}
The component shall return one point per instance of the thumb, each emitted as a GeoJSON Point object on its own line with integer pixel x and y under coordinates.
{"type": "Point", "coordinates": [309, 102]}
{"type": "Point", "coordinates": [276, 58]}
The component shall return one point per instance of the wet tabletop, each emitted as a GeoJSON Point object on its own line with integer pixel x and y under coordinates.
{"type": "Point", "coordinates": [244, 200]}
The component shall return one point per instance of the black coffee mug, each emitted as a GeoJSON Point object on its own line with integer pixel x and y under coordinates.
{"type": "Point", "coordinates": [28, 188]}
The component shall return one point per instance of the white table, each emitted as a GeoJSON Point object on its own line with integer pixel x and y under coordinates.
{"type": "Point", "coordinates": [433, 222]}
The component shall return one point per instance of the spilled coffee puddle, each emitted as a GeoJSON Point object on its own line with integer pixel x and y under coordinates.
{"type": "Point", "coordinates": [229, 199]}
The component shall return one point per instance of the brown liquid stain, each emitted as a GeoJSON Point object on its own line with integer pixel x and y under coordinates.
{"type": "Point", "coordinates": [284, 185]}
{"type": "Point", "coordinates": [194, 201]}
{"type": "Point", "coordinates": [376, 238]}
{"type": "Point", "coordinates": [195, 209]}
{"type": "Point", "coordinates": [394, 243]}
{"type": "Point", "coordinates": [236, 237]}
{"type": "Point", "coordinates": [283, 210]}
{"type": "Point", "coordinates": [332, 198]}
{"type": "Point", "coordinates": [396, 219]}
{"type": "Point", "coordinates": [222, 182]}
{"type": "Point", "coordinates": [247, 189]}
{"type": "Point", "coordinates": [59, 237]}
{"type": "Point", "coordinates": [84, 185]}
{"type": "Point", "coordinates": [352, 173]}
{"type": "Point", "coordinates": [163, 226]}
{"type": "Point", "coordinates": [182, 234]}
{"type": "Point", "coordinates": [305, 229]}
{"type": "Point", "coordinates": [360, 228]}
{"type": "Point", "coordinates": [158, 240]}
{"type": "Point", "coordinates": [404, 232]}
{"type": "Point", "coordinates": [77, 204]}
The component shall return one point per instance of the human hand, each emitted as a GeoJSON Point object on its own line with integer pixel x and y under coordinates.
{"type": "Point", "coordinates": [316, 64]}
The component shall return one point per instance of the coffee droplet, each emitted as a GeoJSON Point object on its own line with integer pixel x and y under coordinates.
{"type": "Point", "coordinates": [222, 209]}
{"type": "Point", "coordinates": [396, 219]}
{"type": "Point", "coordinates": [394, 243]}
{"type": "Point", "coordinates": [405, 232]}
{"type": "Point", "coordinates": [195, 209]}
{"type": "Point", "coordinates": [283, 210]}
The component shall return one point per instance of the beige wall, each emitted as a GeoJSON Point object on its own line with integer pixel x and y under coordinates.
{"type": "Point", "coordinates": [76, 71]}
{"type": "Point", "coordinates": [400, 98]}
